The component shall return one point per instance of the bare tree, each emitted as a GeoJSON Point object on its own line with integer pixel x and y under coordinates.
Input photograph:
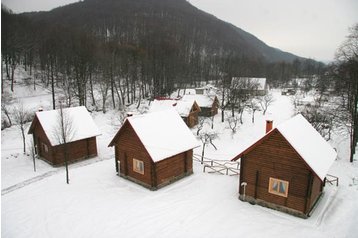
{"type": "Point", "coordinates": [241, 91]}
{"type": "Point", "coordinates": [296, 99]}
{"type": "Point", "coordinates": [21, 116]}
{"type": "Point", "coordinates": [201, 122]}
{"type": "Point", "coordinates": [266, 101]}
{"type": "Point", "coordinates": [104, 86]}
{"type": "Point", "coordinates": [253, 105]}
{"type": "Point", "coordinates": [207, 138]}
{"type": "Point", "coordinates": [322, 120]}
{"type": "Point", "coordinates": [5, 123]}
{"type": "Point", "coordinates": [346, 73]}
{"type": "Point", "coordinates": [32, 150]}
{"type": "Point", "coordinates": [64, 133]}
{"type": "Point", "coordinates": [233, 123]}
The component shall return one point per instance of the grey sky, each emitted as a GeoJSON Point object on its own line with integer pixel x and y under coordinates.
{"type": "Point", "coordinates": [308, 28]}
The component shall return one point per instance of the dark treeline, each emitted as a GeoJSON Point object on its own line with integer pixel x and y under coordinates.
{"type": "Point", "coordinates": [135, 49]}
{"type": "Point", "coordinates": [345, 74]}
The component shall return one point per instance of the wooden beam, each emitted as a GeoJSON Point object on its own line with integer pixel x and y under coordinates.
{"type": "Point", "coordinates": [308, 192]}
{"type": "Point", "coordinates": [256, 182]}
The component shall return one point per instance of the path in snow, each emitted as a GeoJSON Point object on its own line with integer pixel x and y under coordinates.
{"type": "Point", "coordinates": [50, 173]}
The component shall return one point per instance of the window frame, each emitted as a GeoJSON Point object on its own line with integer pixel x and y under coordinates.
{"type": "Point", "coordinates": [45, 147]}
{"type": "Point", "coordinates": [276, 191]}
{"type": "Point", "coordinates": [138, 166]}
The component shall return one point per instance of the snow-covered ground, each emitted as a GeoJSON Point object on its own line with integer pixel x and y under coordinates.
{"type": "Point", "coordinates": [98, 203]}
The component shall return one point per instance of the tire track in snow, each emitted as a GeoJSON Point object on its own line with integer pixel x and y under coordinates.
{"type": "Point", "coordinates": [46, 175]}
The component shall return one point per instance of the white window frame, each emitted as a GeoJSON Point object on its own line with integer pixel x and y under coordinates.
{"type": "Point", "coordinates": [45, 147]}
{"type": "Point", "coordinates": [138, 166]}
{"type": "Point", "coordinates": [276, 190]}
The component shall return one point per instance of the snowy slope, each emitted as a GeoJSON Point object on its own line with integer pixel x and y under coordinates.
{"type": "Point", "coordinates": [98, 203]}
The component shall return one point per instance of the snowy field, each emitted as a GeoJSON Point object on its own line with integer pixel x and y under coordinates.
{"type": "Point", "coordinates": [98, 203]}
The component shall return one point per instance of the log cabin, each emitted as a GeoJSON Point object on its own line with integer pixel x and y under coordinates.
{"type": "Point", "coordinates": [154, 149]}
{"type": "Point", "coordinates": [188, 110]}
{"type": "Point", "coordinates": [286, 168]}
{"type": "Point", "coordinates": [81, 135]}
{"type": "Point", "coordinates": [208, 104]}
{"type": "Point", "coordinates": [250, 86]}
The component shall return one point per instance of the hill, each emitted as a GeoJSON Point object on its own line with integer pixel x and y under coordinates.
{"type": "Point", "coordinates": [175, 21]}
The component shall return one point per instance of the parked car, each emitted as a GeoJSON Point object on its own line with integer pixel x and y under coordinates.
{"type": "Point", "coordinates": [288, 91]}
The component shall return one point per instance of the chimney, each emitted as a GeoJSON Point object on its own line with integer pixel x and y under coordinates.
{"type": "Point", "coordinates": [40, 109]}
{"type": "Point", "coordinates": [269, 124]}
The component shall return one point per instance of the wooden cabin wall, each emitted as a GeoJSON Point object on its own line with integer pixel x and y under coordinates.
{"type": "Point", "coordinates": [129, 147]}
{"type": "Point", "coordinates": [316, 191]}
{"type": "Point", "coordinates": [192, 119]}
{"type": "Point", "coordinates": [275, 158]}
{"type": "Point", "coordinates": [76, 150]}
{"type": "Point", "coordinates": [173, 167]}
{"type": "Point", "coordinates": [40, 139]}
{"type": "Point", "coordinates": [205, 112]}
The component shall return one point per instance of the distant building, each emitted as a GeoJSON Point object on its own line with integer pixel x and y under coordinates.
{"type": "Point", "coordinates": [81, 142]}
{"type": "Point", "coordinates": [154, 149]}
{"type": "Point", "coordinates": [188, 110]}
{"type": "Point", "coordinates": [253, 86]}
{"type": "Point", "coordinates": [208, 89]}
{"type": "Point", "coordinates": [208, 104]}
{"type": "Point", "coordinates": [286, 168]}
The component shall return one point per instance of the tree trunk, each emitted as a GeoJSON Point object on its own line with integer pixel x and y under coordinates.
{"type": "Point", "coordinates": [112, 91]}
{"type": "Point", "coordinates": [202, 153]}
{"type": "Point", "coordinates": [222, 115]}
{"type": "Point", "coordinates": [53, 89]}
{"type": "Point", "coordinates": [12, 77]}
{"type": "Point", "coordinates": [23, 137]}
{"type": "Point", "coordinates": [92, 94]}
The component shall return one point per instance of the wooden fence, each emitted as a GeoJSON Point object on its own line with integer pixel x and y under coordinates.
{"type": "Point", "coordinates": [331, 179]}
{"type": "Point", "coordinates": [224, 167]}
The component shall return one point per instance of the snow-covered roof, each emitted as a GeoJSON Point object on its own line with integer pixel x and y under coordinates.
{"type": "Point", "coordinates": [206, 90]}
{"type": "Point", "coordinates": [208, 86]}
{"type": "Point", "coordinates": [258, 83]}
{"type": "Point", "coordinates": [182, 107]}
{"type": "Point", "coordinates": [309, 144]}
{"type": "Point", "coordinates": [163, 133]}
{"type": "Point", "coordinates": [201, 100]}
{"type": "Point", "coordinates": [82, 124]}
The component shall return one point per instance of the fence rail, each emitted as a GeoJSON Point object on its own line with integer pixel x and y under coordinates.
{"type": "Point", "coordinates": [224, 167]}
{"type": "Point", "coordinates": [331, 179]}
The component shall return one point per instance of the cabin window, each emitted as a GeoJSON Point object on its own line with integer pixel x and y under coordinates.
{"type": "Point", "coordinates": [138, 166]}
{"type": "Point", "coordinates": [45, 147]}
{"type": "Point", "coordinates": [278, 187]}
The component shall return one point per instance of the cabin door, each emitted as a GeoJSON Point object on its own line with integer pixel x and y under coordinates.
{"type": "Point", "coordinates": [39, 147]}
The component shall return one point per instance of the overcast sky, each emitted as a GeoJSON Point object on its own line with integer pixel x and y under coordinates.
{"type": "Point", "coordinates": [308, 28]}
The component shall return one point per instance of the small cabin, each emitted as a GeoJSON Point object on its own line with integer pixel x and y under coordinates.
{"type": "Point", "coordinates": [286, 168]}
{"type": "Point", "coordinates": [81, 135]}
{"type": "Point", "coordinates": [248, 85]}
{"type": "Point", "coordinates": [154, 149]}
{"type": "Point", "coordinates": [208, 104]}
{"type": "Point", "coordinates": [188, 110]}
{"type": "Point", "coordinates": [206, 90]}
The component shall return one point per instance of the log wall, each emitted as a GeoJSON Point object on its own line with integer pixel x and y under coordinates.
{"type": "Point", "coordinates": [274, 157]}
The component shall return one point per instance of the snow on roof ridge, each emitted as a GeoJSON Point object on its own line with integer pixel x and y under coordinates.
{"type": "Point", "coordinates": [309, 144]}
{"type": "Point", "coordinates": [183, 107]}
{"type": "Point", "coordinates": [201, 100]}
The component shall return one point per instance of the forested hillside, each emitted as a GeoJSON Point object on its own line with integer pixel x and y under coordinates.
{"type": "Point", "coordinates": [137, 48]}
